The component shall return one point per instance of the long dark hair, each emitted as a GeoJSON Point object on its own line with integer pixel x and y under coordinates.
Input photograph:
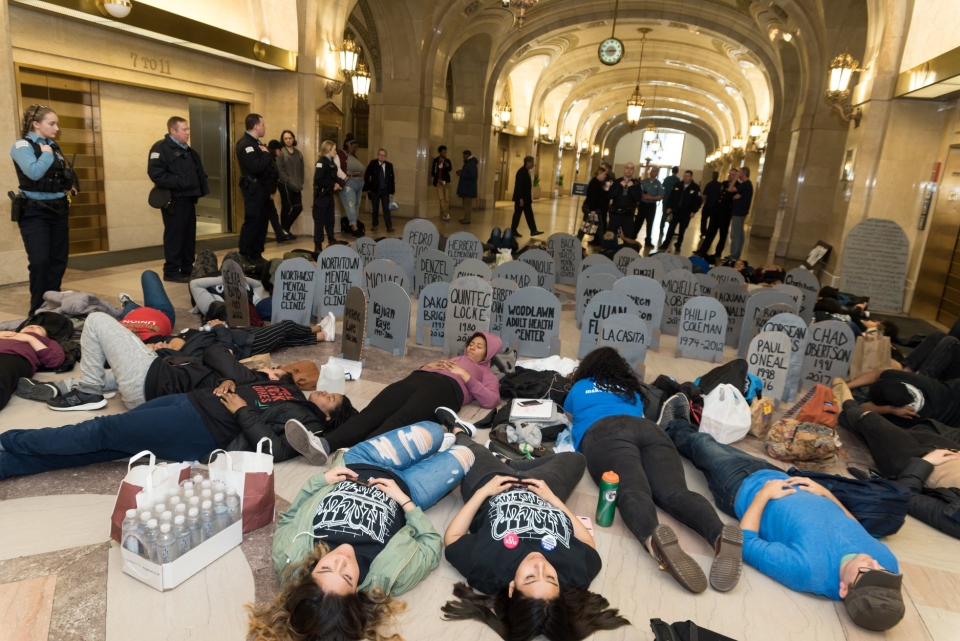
{"type": "Point", "coordinates": [610, 372]}
{"type": "Point", "coordinates": [574, 615]}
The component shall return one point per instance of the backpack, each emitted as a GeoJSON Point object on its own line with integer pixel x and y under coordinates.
{"type": "Point", "coordinates": [816, 406]}
{"type": "Point", "coordinates": [808, 444]}
{"type": "Point", "coordinates": [504, 362]}
{"type": "Point", "coordinates": [880, 505]}
{"type": "Point", "coordinates": [683, 631]}
{"type": "Point", "coordinates": [345, 227]}
{"type": "Point", "coordinates": [59, 327]}
{"type": "Point", "coordinates": [205, 265]}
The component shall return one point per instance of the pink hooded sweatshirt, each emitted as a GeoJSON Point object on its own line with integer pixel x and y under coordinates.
{"type": "Point", "coordinates": [483, 385]}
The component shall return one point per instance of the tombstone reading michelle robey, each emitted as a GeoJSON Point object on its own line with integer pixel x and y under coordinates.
{"type": "Point", "coordinates": [531, 317]}
{"type": "Point", "coordinates": [468, 312]}
{"type": "Point", "coordinates": [432, 266]}
{"type": "Point", "coordinates": [502, 288]}
{"type": "Point", "coordinates": [703, 329]}
{"type": "Point", "coordinates": [543, 265]}
{"type": "Point", "coordinates": [733, 297]}
{"type": "Point", "coordinates": [706, 283]}
{"type": "Point", "coordinates": [338, 269]}
{"type": "Point", "coordinates": [517, 271]}
{"type": "Point", "coordinates": [648, 295]}
{"type": "Point", "coordinates": [828, 354]}
{"type": "Point", "coordinates": [567, 253]}
{"type": "Point", "coordinates": [807, 282]}
{"type": "Point", "coordinates": [235, 294]}
{"type": "Point", "coordinates": [769, 360]}
{"type": "Point", "coordinates": [875, 255]}
{"type": "Point", "coordinates": [588, 285]}
{"type": "Point", "coordinates": [354, 331]}
{"type": "Point", "coordinates": [367, 248]}
{"type": "Point", "coordinates": [471, 267]}
{"type": "Point", "coordinates": [679, 286]}
{"type": "Point", "coordinates": [432, 313]}
{"type": "Point", "coordinates": [294, 289]}
{"type": "Point", "coordinates": [600, 307]}
{"type": "Point", "coordinates": [726, 275]}
{"type": "Point", "coordinates": [646, 266]}
{"type": "Point", "coordinates": [755, 304]}
{"type": "Point", "coordinates": [401, 254]}
{"type": "Point", "coordinates": [389, 318]}
{"type": "Point", "coordinates": [794, 327]}
{"type": "Point", "coordinates": [623, 257]}
{"type": "Point", "coordinates": [462, 245]}
{"type": "Point", "coordinates": [421, 234]}
{"type": "Point", "coordinates": [628, 335]}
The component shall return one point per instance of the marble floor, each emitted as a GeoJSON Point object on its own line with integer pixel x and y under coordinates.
{"type": "Point", "coordinates": [61, 579]}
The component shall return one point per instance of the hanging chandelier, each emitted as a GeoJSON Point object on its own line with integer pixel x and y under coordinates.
{"type": "Point", "coordinates": [521, 6]}
{"type": "Point", "coordinates": [361, 81]}
{"type": "Point", "coordinates": [650, 132]}
{"type": "Point", "coordinates": [636, 102]}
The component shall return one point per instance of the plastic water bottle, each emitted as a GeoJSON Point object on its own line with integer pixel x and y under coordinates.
{"type": "Point", "coordinates": [221, 521]}
{"type": "Point", "coordinates": [193, 525]}
{"type": "Point", "coordinates": [197, 480]}
{"type": "Point", "coordinates": [607, 502]}
{"type": "Point", "coordinates": [150, 540]}
{"type": "Point", "coordinates": [205, 484]}
{"type": "Point", "coordinates": [188, 494]}
{"type": "Point", "coordinates": [173, 502]}
{"type": "Point", "coordinates": [181, 510]}
{"type": "Point", "coordinates": [145, 517]}
{"type": "Point", "coordinates": [182, 534]}
{"type": "Point", "coordinates": [166, 517]}
{"type": "Point", "coordinates": [207, 528]}
{"type": "Point", "coordinates": [159, 509]}
{"type": "Point", "coordinates": [194, 502]}
{"type": "Point", "coordinates": [219, 486]}
{"type": "Point", "coordinates": [130, 532]}
{"type": "Point", "coordinates": [166, 545]}
{"type": "Point", "coordinates": [206, 495]}
{"type": "Point", "coordinates": [186, 485]}
{"type": "Point", "coordinates": [233, 505]}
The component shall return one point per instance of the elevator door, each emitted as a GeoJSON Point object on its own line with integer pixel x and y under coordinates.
{"type": "Point", "coordinates": [937, 295]}
{"type": "Point", "coordinates": [209, 137]}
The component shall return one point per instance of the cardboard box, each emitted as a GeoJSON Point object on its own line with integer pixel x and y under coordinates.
{"type": "Point", "coordinates": [170, 575]}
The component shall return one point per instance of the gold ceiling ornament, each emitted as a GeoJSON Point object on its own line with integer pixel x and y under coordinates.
{"type": "Point", "coordinates": [521, 7]}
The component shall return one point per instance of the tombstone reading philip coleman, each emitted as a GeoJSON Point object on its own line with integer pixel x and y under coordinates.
{"type": "Point", "coordinates": [703, 330]}
{"type": "Point", "coordinates": [828, 354]}
{"type": "Point", "coordinates": [647, 294]}
{"type": "Point", "coordinates": [875, 256]}
{"type": "Point", "coordinates": [733, 297]}
{"type": "Point", "coordinates": [432, 314]}
{"type": "Point", "coordinates": [543, 266]}
{"type": "Point", "coordinates": [354, 332]}
{"type": "Point", "coordinates": [235, 294]}
{"type": "Point", "coordinates": [628, 335]}
{"type": "Point", "coordinates": [769, 360]}
{"type": "Point", "coordinates": [567, 253]}
{"type": "Point", "coordinates": [389, 318]}
{"type": "Point", "coordinates": [601, 306]}
{"type": "Point", "coordinates": [502, 288]}
{"type": "Point", "coordinates": [432, 266]}
{"type": "Point", "coordinates": [531, 319]}
{"type": "Point", "coordinates": [338, 269]}
{"type": "Point", "coordinates": [794, 327]}
{"type": "Point", "coordinates": [679, 286]}
{"type": "Point", "coordinates": [463, 245]}
{"type": "Point", "coordinates": [468, 312]}
{"type": "Point", "coordinates": [294, 289]}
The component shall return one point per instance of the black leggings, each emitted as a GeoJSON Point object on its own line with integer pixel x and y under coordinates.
{"type": "Point", "coordinates": [938, 357]}
{"type": "Point", "coordinates": [283, 334]}
{"type": "Point", "coordinates": [291, 204]}
{"type": "Point", "coordinates": [12, 369]}
{"type": "Point", "coordinates": [561, 471]}
{"type": "Point", "coordinates": [403, 403]}
{"type": "Point", "coordinates": [651, 474]}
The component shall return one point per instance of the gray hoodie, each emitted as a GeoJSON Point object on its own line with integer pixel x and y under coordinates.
{"type": "Point", "coordinates": [290, 164]}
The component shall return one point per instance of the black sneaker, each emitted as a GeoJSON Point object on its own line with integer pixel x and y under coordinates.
{"type": "Point", "coordinates": [176, 278]}
{"type": "Point", "coordinates": [35, 390]}
{"type": "Point", "coordinates": [676, 407]}
{"type": "Point", "coordinates": [649, 245]}
{"type": "Point", "coordinates": [449, 419]}
{"type": "Point", "coordinates": [75, 400]}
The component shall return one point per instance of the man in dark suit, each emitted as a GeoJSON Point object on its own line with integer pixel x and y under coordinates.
{"type": "Point", "coordinates": [682, 204]}
{"type": "Point", "coordinates": [719, 219]}
{"type": "Point", "coordinates": [258, 180]}
{"type": "Point", "coordinates": [523, 198]}
{"type": "Point", "coordinates": [379, 183]}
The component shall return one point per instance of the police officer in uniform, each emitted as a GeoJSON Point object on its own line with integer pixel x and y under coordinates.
{"type": "Point", "coordinates": [42, 207]}
{"type": "Point", "coordinates": [258, 181]}
{"type": "Point", "coordinates": [174, 165]}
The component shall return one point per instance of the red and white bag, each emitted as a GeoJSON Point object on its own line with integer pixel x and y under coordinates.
{"type": "Point", "coordinates": [149, 479]}
{"type": "Point", "coordinates": [251, 474]}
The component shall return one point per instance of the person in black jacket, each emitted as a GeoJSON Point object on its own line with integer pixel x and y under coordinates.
{"type": "Point", "coordinates": [624, 195]}
{"type": "Point", "coordinates": [258, 180]}
{"type": "Point", "coordinates": [596, 203]}
{"type": "Point", "coordinates": [379, 183]}
{"type": "Point", "coordinates": [719, 219]}
{"type": "Point", "coordinates": [325, 183]}
{"type": "Point", "coordinates": [523, 199]}
{"type": "Point", "coordinates": [174, 165]}
{"type": "Point", "coordinates": [711, 192]}
{"type": "Point", "coordinates": [682, 204]}
{"type": "Point", "coordinates": [440, 174]}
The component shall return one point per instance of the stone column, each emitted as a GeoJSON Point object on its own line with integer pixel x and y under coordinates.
{"type": "Point", "coordinates": [13, 262]}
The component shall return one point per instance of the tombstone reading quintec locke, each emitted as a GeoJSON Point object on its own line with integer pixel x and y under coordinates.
{"type": "Point", "coordinates": [468, 312]}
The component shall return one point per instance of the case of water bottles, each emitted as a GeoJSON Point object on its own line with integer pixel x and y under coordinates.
{"type": "Point", "coordinates": [163, 545]}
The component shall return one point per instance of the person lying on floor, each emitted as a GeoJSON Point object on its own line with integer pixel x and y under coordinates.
{"type": "Point", "coordinates": [516, 542]}
{"type": "Point", "coordinates": [447, 383]}
{"type": "Point", "coordinates": [357, 536]}
{"type": "Point", "coordinates": [156, 317]}
{"type": "Point", "coordinates": [905, 398]}
{"type": "Point", "coordinates": [937, 356]}
{"type": "Point", "coordinates": [179, 427]}
{"type": "Point", "coordinates": [796, 532]}
{"type": "Point", "coordinates": [208, 290]}
{"type": "Point", "coordinates": [22, 354]}
{"type": "Point", "coordinates": [610, 429]}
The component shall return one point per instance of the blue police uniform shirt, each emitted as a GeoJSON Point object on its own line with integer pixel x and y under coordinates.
{"type": "Point", "coordinates": [33, 167]}
{"type": "Point", "coordinates": [652, 187]}
{"type": "Point", "coordinates": [587, 404]}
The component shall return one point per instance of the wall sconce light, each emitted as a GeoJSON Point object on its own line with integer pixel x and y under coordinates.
{"type": "Point", "coordinates": [596, 149]}
{"type": "Point", "coordinates": [725, 150]}
{"type": "Point", "coordinates": [118, 9]}
{"type": "Point", "coordinates": [568, 139]}
{"type": "Point", "coordinates": [361, 81]}
{"type": "Point", "coordinates": [842, 69]}
{"type": "Point", "coordinates": [497, 124]}
{"type": "Point", "coordinates": [505, 113]}
{"type": "Point", "coordinates": [544, 130]}
{"type": "Point", "coordinates": [349, 55]}
{"type": "Point", "coordinates": [606, 151]}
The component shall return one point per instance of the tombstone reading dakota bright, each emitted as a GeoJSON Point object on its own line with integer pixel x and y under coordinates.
{"type": "Point", "coordinates": [432, 314]}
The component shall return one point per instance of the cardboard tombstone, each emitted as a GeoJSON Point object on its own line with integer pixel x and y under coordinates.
{"type": "Point", "coordinates": [389, 318]}
{"type": "Point", "coordinates": [764, 315]}
{"type": "Point", "coordinates": [472, 267]}
{"type": "Point", "coordinates": [596, 259]}
{"type": "Point", "coordinates": [531, 322]}
{"type": "Point", "coordinates": [587, 287]}
{"type": "Point", "coordinates": [734, 298]}
{"type": "Point", "coordinates": [601, 268]}
{"type": "Point", "coordinates": [726, 275]}
{"type": "Point", "coordinates": [367, 248]}
{"type": "Point", "coordinates": [463, 245]}
{"type": "Point", "coordinates": [755, 304]}
{"type": "Point", "coordinates": [647, 266]}
{"type": "Point", "coordinates": [543, 265]}
{"type": "Point", "coordinates": [502, 288]}
{"type": "Point", "coordinates": [679, 286]}
{"type": "Point", "coordinates": [432, 266]}
{"type": "Point", "coordinates": [383, 271]}
{"type": "Point", "coordinates": [235, 294]}
{"type": "Point", "coordinates": [875, 255]}
{"type": "Point", "coordinates": [517, 271]}
{"type": "Point", "coordinates": [628, 335]}
{"type": "Point", "coordinates": [401, 254]}
{"type": "Point", "coordinates": [468, 312]}
{"type": "Point", "coordinates": [795, 292]}
{"type": "Point", "coordinates": [768, 358]}
{"type": "Point", "coordinates": [603, 305]}
{"type": "Point", "coordinates": [338, 269]}
{"type": "Point", "coordinates": [706, 283]}
{"type": "Point", "coordinates": [807, 282]}
{"type": "Point", "coordinates": [794, 327]}
{"type": "Point", "coordinates": [672, 262]}
{"type": "Point", "coordinates": [421, 234]}
{"type": "Point", "coordinates": [432, 314]}
{"type": "Point", "coordinates": [567, 252]}
{"type": "Point", "coordinates": [354, 332]}
{"type": "Point", "coordinates": [828, 354]}
{"type": "Point", "coordinates": [294, 290]}
{"type": "Point", "coordinates": [624, 257]}
{"type": "Point", "coordinates": [648, 295]}
{"type": "Point", "coordinates": [703, 330]}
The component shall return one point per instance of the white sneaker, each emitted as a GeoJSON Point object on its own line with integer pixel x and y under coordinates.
{"type": "Point", "coordinates": [304, 441]}
{"type": "Point", "coordinates": [448, 441]}
{"type": "Point", "coordinates": [329, 326]}
{"type": "Point", "coordinates": [124, 298]}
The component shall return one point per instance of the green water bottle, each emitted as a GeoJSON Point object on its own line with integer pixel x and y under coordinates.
{"type": "Point", "coordinates": [607, 503]}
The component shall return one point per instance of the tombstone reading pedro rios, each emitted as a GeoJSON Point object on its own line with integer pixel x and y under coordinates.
{"type": "Point", "coordinates": [235, 294]}
{"type": "Point", "coordinates": [875, 256]}
{"type": "Point", "coordinates": [468, 312]}
{"type": "Point", "coordinates": [432, 266]}
{"type": "Point", "coordinates": [389, 318]}
{"type": "Point", "coordinates": [421, 234]}
{"type": "Point", "coordinates": [794, 327]}
{"type": "Point", "coordinates": [567, 253]}
{"type": "Point", "coordinates": [432, 314]}
{"type": "Point", "coordinates": [769, 360]}
{"type": "Point", "coordinates": [294, 289]}
{"type": "Point", "coordinates": [531, 320]}
{"type": "Point", "coordinates": [628, 335]}
{"type": "Point", "coordinates": [338, 269]}
{"type": "Point", "coordinates": [703, 330]}
{"type": "Point", "coordinates": [828, 353]}
{"type": "Point", "coordinates": [502, 288]}
{"type": "Point", "coordinates": [600, 307]}
{"type": "Point", "coordinates": [354, 325]}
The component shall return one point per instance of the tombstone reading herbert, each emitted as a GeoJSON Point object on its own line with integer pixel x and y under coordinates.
{"type": "Point", "coordinates": [646, 266]}
{"type": "Point", "coordinates": [733, 297]}
{"type": "Point", "coordinates": [706, 283]}
{"type": "Point", "coordinates": [531, 317]}
{"type": "Point", "coordinates": [338, 269]}
{"type": "Point", "coordinates": [807, 282]}
{"type": "Point", "coordinates": [875, 256]}
{"type": "Point", "coordinates": [367, 248]}
{"type": "Point", "coordinates": [755, 304]}
{"type": "Point", "coordinates": [588, 285]}
{"type": "Point", "coordinates": [421, 234]}
{"type": "Point", "coordinates": [502, 288]}
{"type": "Point", "coordinates": [462, 245]}
{"type": "Point", "coordinates": [601, 306]}
{"type": "Point", "coordinates": [235, 294]}
{"type": "Point", "coordinates": [468, 312]}
{"type": "Point", "coordinates": [432, 266]}
{"type": "Point", "coordinates": [648, 295]}
{"type": "Point", "coordinates": [517, 271]}
{"type": "Point", "coordinates": [769, 360]}
{"type": "Point", "coordinates": [567, 253]}
{"type": "Point", "coordinates": [623, 257]}
{"type": "Point", "coordinates": [794, 327]}
{"type": "Point", "coordinates": [389, 314]}
{"type": "Point", "coordinates": [401, 254]}
{"type": "Point", "coordinates": [354, 324]}
{"type": "Point", "coordinates": [726, 275]}
{"type": "Point", "coordinates": [543, 265]}
{"type": "Point", "coordinates": [383, 271]}
{"type": "Point", "coordinates": [472, 267]}
{"type": "Point", "coordinates": [432, 313]}
{"type": "Point", "coordinates": [828, 354]}
{"type": "Point", "coordinates": [294, 289]}
{"type": "Point", "coordinates": [679, 286]}
{"type": "Point", "coordinates": [628, 335]}
{"type": "Point", "coordinates": [673, 262]}
{"type": "Point", "coordinates": [703, 330]}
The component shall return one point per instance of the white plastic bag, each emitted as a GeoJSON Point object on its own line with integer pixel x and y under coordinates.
{"type": "Point", "coordinates": [393, 203]}
{"type": "Point", "coordinates": [726, 414]}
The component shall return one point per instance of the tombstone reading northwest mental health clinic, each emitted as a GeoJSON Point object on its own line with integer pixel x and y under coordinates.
{"type": "Point", "coordinates": [432, 314]}
{"type": "Point", "coordinates": [421, 234]}
{"type": "Point", "coordinates": [235, 294]}
{"type": "Point", "coordinates": [432, 266]}
{"type": "Point", "coordinates": [623, 257]}
{"type": "Point", "coordinates": [679, 286]}
{"type": "Point", "coordinates": [502, 288]}
{"type": "Point", "coordinates": [628, 335]}
{"type": "Point", "coordinates": [401, 254]}
{"type": "Point", "coordinates": [601, 306]}
{"type": "Point", "coordinates": [807, 282]}
{"type": "Point", "coordinates": [567, 253]}
{"type": "Point", "coordinates": [517, 271]}
{"type": "Point", "coordinates": [294, 289]}
{"type": "Point", "coordinates": [338, 269]}
{"type": "Point", "coordinates": [388, 314]}
{"type": "Point", "coordinates": [367, 248]}
{"type": "Point", "coordinates": [543, 265]}
{"type": "Point", "coordinates": [383, 271]}
{"type": "Point", "coordinates": [354, 332]}
{"type": "Point", "coordinates": [828, 353]}
{"type": "Point", "coordinates": [472, 267]}
{"type": "Point", "coordinates": [703, 330]}
{"type": "Point", "coordinates": [588, 286]}
{"type": "Point", "coordinates": [733, 297]}
{"type": "Point", "coordinates": [463, 245]}
{"type": "Point", "coordinates": [768, 358]}
{"type": "Point", "coordinates": [755, 304]}
{"type": "Point", "coordinates": [794, 327]}
{"type": "Point", "coordinates": [531, 317]}
{"type": "Point", "coordinates": [648, 295]}
{"type": "Point", "coordinates": [468, 312]}
{"type": "Point", "coordinates": [875, 255]}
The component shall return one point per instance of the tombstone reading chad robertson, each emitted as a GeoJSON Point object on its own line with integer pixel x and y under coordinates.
{"type": "Point", "coordinates": [468, 312]}
{"type": "Point", "coordinates": [389, 318]}
{"type": "Point", "coordinates": [432, 313]}
{"type": "Point", "coordinates": [235, 294]}
{"type": "Point", "coordinates": [338, 269]}
{"type": "Point", "coordinates": [567, 253]}
{"type": "Point", "coordinates": [828, 353]}
{"type": "Point", "coordinates": [294, 289]}
{"type": "Point", "coordinates": [532, 317]}
{"type": "Point", "coordinates": [703, 329]}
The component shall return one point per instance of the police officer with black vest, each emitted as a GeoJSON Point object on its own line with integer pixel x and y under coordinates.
{"type": "Point", "coordinates": [42, 207]}
{"type": "Point", "coordinates": [258, 181]}
{"type": "Point", "coordinates": [174, 166]}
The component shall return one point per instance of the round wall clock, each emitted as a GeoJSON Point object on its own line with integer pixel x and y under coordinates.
{"type": "Point", "coordinates": [610, 51]}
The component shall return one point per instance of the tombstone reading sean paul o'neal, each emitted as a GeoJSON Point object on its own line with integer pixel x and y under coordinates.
{"type": "Point", "coordinates": [733, 297]}
{"type": "Point", "coordinates": [828, 354]}
{"type": "Point", "coordinates": [338, 269]}
{"type": "Point", "coordinates": [293, 291]}
{"type": "Point", "coordinates": [389, 314]}
{"type": "Point", "coordinates": [472, 267]}
{"type": "Point", "coordinates": [367, 248]}
{"type": "Point", "coordinates": [628, 335]}
{"type": "Point", "coordinates": [807, 282]}
{"type": "Point", "coordinates": [875, 256]}
{"type": "Point", "coordinates": [421, 234]}
{"type": "Point", "coordinates": [502, 288]}
{"type": "Point", "coordinates": [769, 360]}
{"type": "Point", "coordinates": [235, 294]}
{"type": "Point", "coordinates": [703, 330]}
{"type": "Point", "coordinates": [354, 331]}
{"type": "Point", "coordinates": [794, 327]}
{"type": "Point", "coordinates": [532, 316]}
{"type": "Point", "coordinates": [517, 271]}
{"type": "Point", "coordinates": [567, 253]}
{"type": "Point", "coordinates": [383, 271]}
{"type": "Point", "coordinates": [432, 313]}
{"type": "Point", "coordinates": [601, 306]}
{"type": "Point", "coordinates": [432, 266]}
{"type": "Point", "coordinates": [543, 266]}
{"type": "Point", "coordinates": [401, 254]}
{"type": "Point", "coordinates": [468, 312]}
{"type": "Point", "coordinates": [679, 286]}
{"type": "Point", "coordinates": [649, 297]}
{"type": "Point", "coordinates": [463, 245]}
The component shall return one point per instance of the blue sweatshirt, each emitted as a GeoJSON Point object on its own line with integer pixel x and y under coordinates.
{"type": "Point", "coordinates": [588, 404]}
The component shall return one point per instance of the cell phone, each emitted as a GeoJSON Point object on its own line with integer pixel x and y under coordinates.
{"type": "Point", "coordinates": [529, 403]}
{"type": "Point", "coordinates": [587, 523]}
{"type": "Point", "coordinates": [361, 482]}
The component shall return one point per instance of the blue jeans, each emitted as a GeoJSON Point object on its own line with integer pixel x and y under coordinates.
{"type": "Point", "coordinates": [412, 453]}
{"type": "Point", "coordinates": [502, 240]}
{"type": "Point", "coordinates": [154, 295]}
{"type": "Point", "coordinates": [725, 466]}
{"type": "Point", "coordinates": [168, 426]}
{"type": "Point", "coordinates": [350, 197]}
{"type": "Point", "coordinates": [736, 235]}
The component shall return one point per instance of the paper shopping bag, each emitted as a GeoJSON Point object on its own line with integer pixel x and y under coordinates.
{"type": "Point", "coordinates": [146, 478]}
{"type": "Point", "coordinates": [871, 352]}
{"type": "Point", "coordinates": [251, 474]}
